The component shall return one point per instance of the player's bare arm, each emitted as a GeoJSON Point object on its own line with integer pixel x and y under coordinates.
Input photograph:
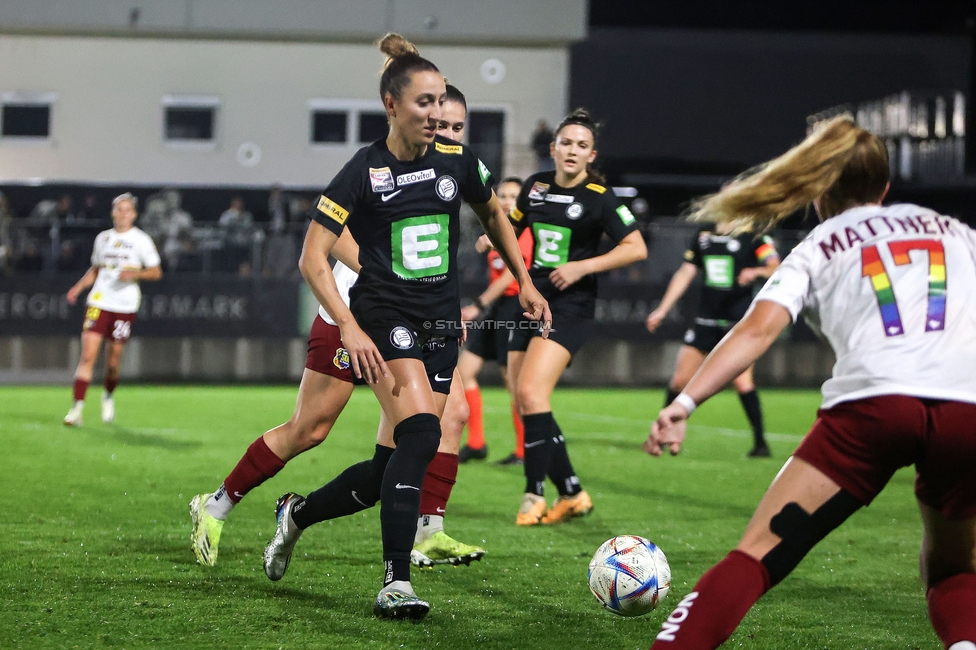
{"type": "Point", "coordinates": [150, 275]}
{"type": "Point", "coordinates": [85, 283]}
{"type": "Point", "coordinates": [677, 287]}
{"type": "Point", "coordinates": [747, 341]}
{"type": "Point", "coordinates": [630, 249]}
{"type": "Point", "coordinates": [314, 266]}
{"type": "Point", "coordinates": [503, 239]}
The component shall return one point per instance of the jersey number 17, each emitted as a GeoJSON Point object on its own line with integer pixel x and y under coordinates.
{"type": "Point", "coordinates": [873, 267]}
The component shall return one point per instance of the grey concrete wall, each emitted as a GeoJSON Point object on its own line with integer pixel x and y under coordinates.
{"type": "Point", "coordinates": [525, 21]}
{"type": "Point", "coordinates": [601, 363]}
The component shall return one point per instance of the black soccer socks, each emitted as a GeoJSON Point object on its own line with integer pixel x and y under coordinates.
{"type": "Point", "coordinates": [355, 489]}
{"type": "Point", "coordinates": [538, 434]}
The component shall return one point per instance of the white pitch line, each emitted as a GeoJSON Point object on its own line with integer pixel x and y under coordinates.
{"type": "Point", "coordinates": [722, 431]}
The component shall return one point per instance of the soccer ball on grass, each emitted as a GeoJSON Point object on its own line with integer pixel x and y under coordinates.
{"type": "Point", "coordinates": [629, 575]}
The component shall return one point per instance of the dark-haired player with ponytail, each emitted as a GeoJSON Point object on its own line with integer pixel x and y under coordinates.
{"type": "Point", "coordinates": [568, 211]}
{"type": "Point", "coordinates": [400, 198]}
{"type": "Point", "coordinates": [732, 262]}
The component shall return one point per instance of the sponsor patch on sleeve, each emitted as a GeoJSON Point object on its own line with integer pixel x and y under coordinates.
{"type": "Point", "coordinates": [333, 210]}
{"type": "Point", "coordinates": [448, 148]}
{"type": "Point", "coordinates": [483, 172]}
{"type": "Point", "coordinates": [516, 214]}
{"type": "Point", "coordinates": [538, 191]}
{"type": "Point", "coordinates": [689, 256]}
{"type": "Point", "coordinates": [625, 215]}
{"type": "Point", "coordinates": [599, 189]}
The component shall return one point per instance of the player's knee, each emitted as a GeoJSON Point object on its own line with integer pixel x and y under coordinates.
{"type": "Point", "coordinates": [799, 531]}
{"type": "Point", "coordinates": [529, 399]}
{"type": "Point", "coordinates": [317, 434]}
{"type": "Point", "coordinates": [421, 433]}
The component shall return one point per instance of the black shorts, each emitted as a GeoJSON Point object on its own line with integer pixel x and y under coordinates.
{"type": "Point", "coordinates": [396, 338]}
{"type": "Point", "coordinates": [704, 338]}
{"type": "Point", "coordinates": [568, 330]}
{"type": "Point", "coordinates": [488, 337]}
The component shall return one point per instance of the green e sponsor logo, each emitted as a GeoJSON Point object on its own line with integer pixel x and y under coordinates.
{"type": "Point", "coordinates": [719, 271]}
{"type": "Point", "coordinates": [483, 172]}
{"type": "Point", "coordinates": [420, 246]}
{"type": "Point", "coordinates": [625, 215]}
{"type": "Point", "coordinates": [551, 244]}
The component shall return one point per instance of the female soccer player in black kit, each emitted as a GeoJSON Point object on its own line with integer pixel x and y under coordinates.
{"type": "Point", "coordinates": [400, 198]}
{"type": "Point", "coordinates": [568, 211]}
{"type": "Point", "coordinates": [731, 264]}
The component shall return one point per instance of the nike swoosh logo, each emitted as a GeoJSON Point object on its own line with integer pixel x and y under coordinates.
{"type": "Point", "coordinates": [358, 500]}
{"type": "Point", "coordinates": [238, 495]}
{"type": "Point", "coordinates": [387, 197]}
{"type": "Point", "coordinates": [531, 203]}
{"type": "Point", "coordinates": [440, 510]}
{"type": "Point", "coordinates": [438, 377]}
{"type": "Point", "coordinates": [407, 487]}
{"type": "Point", "coordinates": [530, 445]}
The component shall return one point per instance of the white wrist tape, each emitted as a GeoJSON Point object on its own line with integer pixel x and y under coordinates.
{"type": "Point", "coordinates": [685, 400]}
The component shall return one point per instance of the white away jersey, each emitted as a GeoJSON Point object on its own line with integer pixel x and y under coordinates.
{"type": "Point", "coordinates": [345, 277]}
{"type": "Point", "coordinates": [893, 290]}
{"type": "Point", "coordinates": [113, 252]}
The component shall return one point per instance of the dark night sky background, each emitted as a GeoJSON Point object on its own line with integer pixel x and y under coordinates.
{"type": "Point", "coordinates": [719, 86]}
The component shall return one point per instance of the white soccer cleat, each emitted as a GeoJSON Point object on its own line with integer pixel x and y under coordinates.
{"type": "Point", "coordinates": [108, 408]}
{"type": "Point", "coordinates": [73, 418]}
{"type": "Point", "coordinates": [277, 554]}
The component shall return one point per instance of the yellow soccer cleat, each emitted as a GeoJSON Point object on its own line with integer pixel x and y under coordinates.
{"type": "Point", "coordinates": [441, 548]}
{"type": "Point", "coordinates": [531, 511]}
{"type": "Point", "coordinates": [205, 535]}
{"type": "Point", "coordinates": [565, 508]}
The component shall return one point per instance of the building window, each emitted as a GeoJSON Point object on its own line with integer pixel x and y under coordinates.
{"type": "Point", "coordinates": [346, 122]}
{"type": "Point", "coordinates": [190, 119]}
{"type": "Point", "coordinates": [330, 127]}
{"type": "Point", "coordinates": [26, 120]}
{"type": "Point", "coordinates": [372, 126]}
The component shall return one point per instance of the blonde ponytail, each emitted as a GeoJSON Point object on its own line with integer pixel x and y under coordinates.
{"type": "Point", "coordinates": [839, 163]}
{"type": "Point", "coordinates": [394, 45]}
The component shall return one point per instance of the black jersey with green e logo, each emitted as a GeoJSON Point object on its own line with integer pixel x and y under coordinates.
{"type": "Point", "coordinates": [567, 224]}
{"type": "Point", "coordinates": [404, 216]}
{"type": "Point", "coordinates": [722, 258]}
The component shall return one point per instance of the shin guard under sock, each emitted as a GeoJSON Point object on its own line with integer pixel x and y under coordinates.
{"type": "Point", "coordinates": [753, 409]}
{"type": "Point", "coordinates": [708, 615]}
{"type": "Point", "coordinates": [476, 422]}
{"type": "Point", "coordinates": [417, 438]}
{"type": "Point", "coordinates": [538, 428]}
{"type": "Point", "coordinates": [560, 470]}
{"type": "Point", "coordinates": [357, 488]}
{"type": "Point", "coordinates": [438, 483]}
{"type": "Point", "coordinates": [951, 606]}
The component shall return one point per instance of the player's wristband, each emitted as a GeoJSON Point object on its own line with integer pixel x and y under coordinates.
{"type": "Point", "coordinates": [685, 400]}
{"type": "Point", "coordinates": [480, 305]}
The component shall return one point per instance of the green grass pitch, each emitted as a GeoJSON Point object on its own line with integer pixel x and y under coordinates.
{"type": "Point", "coordinates": [94, 531]}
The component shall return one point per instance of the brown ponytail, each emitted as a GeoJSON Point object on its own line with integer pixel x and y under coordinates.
{"type": "Point", "coordinates": [403, 60]}
{"type": "Point", "coordinates": [839, 163]}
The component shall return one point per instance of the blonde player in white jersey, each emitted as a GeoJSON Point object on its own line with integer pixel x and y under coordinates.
{"type": "Point", "coordinates": [893, 290]}
{"type": "Point", "coordinates": [122, 257]}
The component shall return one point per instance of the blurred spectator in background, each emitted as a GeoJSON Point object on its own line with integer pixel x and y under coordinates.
{"type": "Point", "coordinates": [69, 258]}
{"type": "Point", "coordinates": [30, 259]}
{"type": "Point", "coordinates": [89, 209]}
{"type": "Point", "coordinates": [541, 139]}
{"type": "Point", "coordinates": [238, 226]}
{"type": "Point", "coordinates": [169, 225]}
{"type": "Point", "coordinates": [280, 258]}
{"type": "Point", "coordinates": [7, 248]}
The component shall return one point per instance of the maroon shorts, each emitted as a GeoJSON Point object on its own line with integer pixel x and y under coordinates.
{"type": "Point", "coordinates": [110, 324]}
{"type": "Point", "coordinates": [860, 445]}
{"type": "Point", "coordinates": [326, 354]}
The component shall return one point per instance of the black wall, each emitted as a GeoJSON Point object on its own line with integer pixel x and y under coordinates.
{"type": "Point", "coordinates": [724, 100]}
